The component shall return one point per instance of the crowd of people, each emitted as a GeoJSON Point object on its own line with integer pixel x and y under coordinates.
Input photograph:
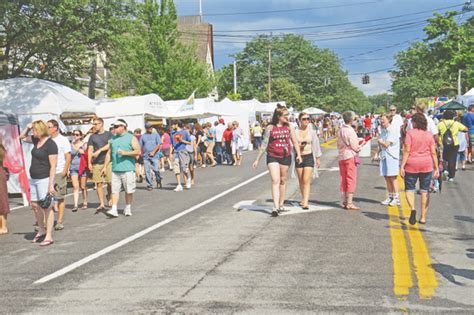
{"type": "Point", "coordinates": [418, 146]}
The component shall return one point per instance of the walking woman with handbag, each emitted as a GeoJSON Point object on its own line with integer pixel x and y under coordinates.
{"type": "Point", "coordinates": [348, 146]}
{"type": "Point", "coordinates": [44, 157]}
{"type": "Point", "coordinates": [278, 140]}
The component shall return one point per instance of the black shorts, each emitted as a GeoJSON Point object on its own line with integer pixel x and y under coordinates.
{"type": "Point", "coordinates": [308, 161]}
{"type": "Point", "coordinates": [282, 161]}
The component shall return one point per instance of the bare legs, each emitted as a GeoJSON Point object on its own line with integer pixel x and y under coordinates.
{"type": "Point", "coordinates": [304, 178]}
{"type": "Point", "coordinates": [278, 174]}
{"type": "Point", "coordinates": [45, 220]}
{"type": "Point", "coordinates": [3, 224]}
{"type": "Point", "coordinates": [425, 201]}
{"type": "Point", "coordinates": [392, 184]}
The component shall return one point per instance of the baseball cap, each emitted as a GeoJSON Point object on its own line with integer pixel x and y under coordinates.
{"type": "Point", "coordinates": [120, 122]}
{"type": "Point", "coordinates": [148, 125]}
{"type": "Point", "coordinates": [221, 121]}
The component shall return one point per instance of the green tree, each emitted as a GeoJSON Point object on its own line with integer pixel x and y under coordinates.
{"type": "Point", "coordinates": [56, 39]}
{"type": "Point", "coordinates": [284, 90]}
{"type": "Point", "coordinates": [430, 67]}
{"type": "Point", "coordinates": [315, 72]}
{"type": "Point", "coordinates": [383, 100]}
{"type": "Point", "coordinates": [151, 59]}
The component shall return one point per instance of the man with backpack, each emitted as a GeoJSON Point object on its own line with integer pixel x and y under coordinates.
{"type": "Point", "coordinates": [448, 132]}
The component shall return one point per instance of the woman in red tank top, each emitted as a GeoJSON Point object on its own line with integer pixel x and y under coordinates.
{"type": "Point", "coordinates": [278, 140]}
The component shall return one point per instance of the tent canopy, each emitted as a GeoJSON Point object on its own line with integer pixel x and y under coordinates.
{"type": "Point", "coordinates": [150, 104]}
{"type": "Point", "coordinates": [198, 109]}
{"type": "Point", "coordinates": [314, 111]}
{"type": "Point", "coordinates": [29, 96]}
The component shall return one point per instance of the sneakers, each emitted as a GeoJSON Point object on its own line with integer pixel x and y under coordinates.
{"type": "Point", "coordinates": [451, 180]}
{"type": "Point", "coordinates": [188, 183]}
{"type": "Point", "coordinates": [274, 212]}
{"type": "Point", "coordinates": [394, 202]}
{"type": "Point", "coordinates": [112, 213]}
{"type": "Point", "coordinates": [127, 211]}
{"type": "Point", "coordinates": [162, 170]}
{"type": "Point", "coordinates": [178, 188]}
{"type": "Point", "coordinates": [387, 201]}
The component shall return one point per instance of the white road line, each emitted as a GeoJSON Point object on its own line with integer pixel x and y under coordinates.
{"type": "Point", "coordinates": [129, 239]}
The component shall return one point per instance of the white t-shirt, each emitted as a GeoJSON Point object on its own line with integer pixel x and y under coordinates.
{"type": "Point", "coordinates": [220, 132]}
{"type": "Point", "coordinates": [64, 146]}
{"type": "Point", "coordinates": [391, 134]}
{"type": "Point", "coordinates": [397, 123]}
{"type": "Point", "coordinates": [431, 125]}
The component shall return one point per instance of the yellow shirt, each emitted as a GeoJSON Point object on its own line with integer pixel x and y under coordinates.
{"type": "Point", "coordinates": [455, 128]}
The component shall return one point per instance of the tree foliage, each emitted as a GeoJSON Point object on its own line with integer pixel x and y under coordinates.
{"type": "Point", "coordinates": [383, 100]}
{"type": "Point", "coordinates": [296, 67]}
{"type": "Point", "coordinates": [59, 40]}
{"type": "Point", "coordinates": [56, 39]}
{"type": "Point", "coordinates": [430, 67]}
{"type": "Point", "coordinates": [151, 59]}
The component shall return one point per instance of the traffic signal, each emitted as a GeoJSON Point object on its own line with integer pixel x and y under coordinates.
{"type": "Point", "coordinates": [365, 79]}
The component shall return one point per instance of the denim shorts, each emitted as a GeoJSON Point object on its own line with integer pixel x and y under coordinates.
{"type": "Point", "coordinates": [39, 188]}
{"type": "Point", "coordinates": [412, 178]}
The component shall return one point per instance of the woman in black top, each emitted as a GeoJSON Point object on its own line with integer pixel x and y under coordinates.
{"type": "Point", "coordinates": [44, 157]}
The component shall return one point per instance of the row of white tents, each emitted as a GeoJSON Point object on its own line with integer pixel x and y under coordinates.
{"type": "Point", "coordinates": [32, 99]}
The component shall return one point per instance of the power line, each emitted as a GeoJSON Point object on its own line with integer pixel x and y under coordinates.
{"type": "Point", "coordinates": [287, 10]}
{"type": "Point", "coordinates": [336, 24]}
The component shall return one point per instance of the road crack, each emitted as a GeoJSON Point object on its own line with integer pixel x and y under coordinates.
{"type": "Point", "coordinates": [226, 257]}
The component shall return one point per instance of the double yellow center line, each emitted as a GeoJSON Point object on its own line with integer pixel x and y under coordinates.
{"type": "Point", "coordinates": [329, 143]}
{"type": "Point", "coordinates": [406, 262]}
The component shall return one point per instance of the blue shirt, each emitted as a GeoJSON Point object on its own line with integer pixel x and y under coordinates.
{"type": "Point", "coordinates": [176, 136]}
{"type": "Point", "coordinates": [468, 121]}
{"type": "Point", "coordinates": [212, 134]}
{"type": "Point", "coordinates": [148, 142]}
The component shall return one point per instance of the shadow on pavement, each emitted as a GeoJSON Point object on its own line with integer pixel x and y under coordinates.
{"type": "Point", "coordinates": [376, 216]}
{"type": "Point", "coordinates": [27, 235]}
{"type": "Point", "coordinates": [449, 272]}
{"type": "Point", "coordinates": [470, 253]}
{"type": "Point", "coordinates": [464, 218]}
{"type": "Point", "coordinates": [367, 200]}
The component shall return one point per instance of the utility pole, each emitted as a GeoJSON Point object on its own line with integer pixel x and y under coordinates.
{"type": "Point", "coordinates": [200, 9]}
{"type": "Point", "coordinates": [459, 81]}
{"type": "Point", "coordinates": [235, 76]}
{"type": "Point", "coordinates": [270, 74]}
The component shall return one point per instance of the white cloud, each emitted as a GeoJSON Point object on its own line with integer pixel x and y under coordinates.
{"type": "Point", "coordinates": [379, 83]}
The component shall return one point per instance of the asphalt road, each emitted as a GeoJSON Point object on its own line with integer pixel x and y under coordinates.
{"type": "Point", "coordinates": [226, 254]}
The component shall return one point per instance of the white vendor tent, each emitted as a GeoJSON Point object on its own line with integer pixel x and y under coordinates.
{"type": "Point", "coordinates": [466, 99]}
{"type": "Point", "coordinates": [33, 99]}
{"type": "Point", "coordinates": [135, 110]}
{"type": "Point", "coordinates": [314, 111]}
{"type": "Point", "coordinates": [191, 108]}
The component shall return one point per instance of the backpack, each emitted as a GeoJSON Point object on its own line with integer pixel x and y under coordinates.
{"type": "Point", "coordinates": [448, 140]}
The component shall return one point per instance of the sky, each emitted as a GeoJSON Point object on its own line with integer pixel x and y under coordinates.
{"type": "Point", "coordinates": [381, 29]}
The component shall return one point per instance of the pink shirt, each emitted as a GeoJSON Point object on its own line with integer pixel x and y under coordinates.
{"type": "Point", "coordinates": [419, 158]}
{"type": "Point", "coordinates": [347, 143]}
{"type": "Point", "coordinates": [166, 141]}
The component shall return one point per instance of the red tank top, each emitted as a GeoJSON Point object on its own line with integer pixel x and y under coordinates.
{"type": "Point", "coordinates": [279, 145]}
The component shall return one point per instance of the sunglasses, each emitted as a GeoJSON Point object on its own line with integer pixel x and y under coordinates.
{"type": "Point", "coordinates": [393, 110]}
{"type": "Point", "coordinates": [115, 127]}
{"type": "Point", "coordinates": [305, 118]}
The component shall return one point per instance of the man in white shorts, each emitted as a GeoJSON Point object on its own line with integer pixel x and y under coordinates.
{"type": "Point", "coordinates": [123, 149]}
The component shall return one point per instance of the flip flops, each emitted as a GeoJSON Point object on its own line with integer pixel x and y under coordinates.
{"type": "Point", "coordinates": [46, 243]}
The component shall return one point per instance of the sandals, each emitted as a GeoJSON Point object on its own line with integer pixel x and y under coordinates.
{"type": "Point", "coordinates": [421, 222]}
{"type": "Point", "coordinates": [75, 209]}
{"type": "Point", "coordinates": [46, 243]}
{"type": "Point", "coordinates": [412, 219]}
{"type": "Point", "coordinates": [351, 206]}
{"type": "Point", "coordinates": [37, 238]}
{"type": "Point", "coordinates": [100, 210]}
{"type": "Point", "coordinates": [344, 205]}
{"type": "Point", "coordinates": [85, 206]}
